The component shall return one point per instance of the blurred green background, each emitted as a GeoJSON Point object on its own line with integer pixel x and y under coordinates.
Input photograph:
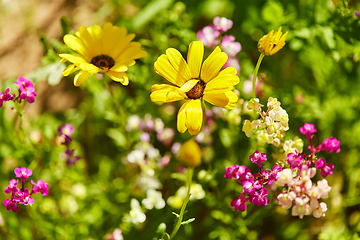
{"type": "Point", "coordinates": [316, 76]}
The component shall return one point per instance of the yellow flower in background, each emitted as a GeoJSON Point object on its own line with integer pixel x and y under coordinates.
{"type": "Point", "coordinates": [272, 42]}
{"type": "Point", "coordinates": [107, 50]}
{"type": "Point", "coordinates": [190, 153]}
{"type": "Point", "coordinates": [194, 81]}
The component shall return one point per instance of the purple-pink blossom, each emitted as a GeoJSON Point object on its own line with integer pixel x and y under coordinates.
{"type": "Point", "coordinates": [208, 36]}
{"type": "Point", "coordinates": [240, 203]}
{"type": "Point", "coordinates": [26, 89]}
{"type": "Point", "coordinates": [12, 187]}
{"type": "Point", "coordinates": [308, 129]}
{"type": "Point", "coordinates": [66, 129]}
{"type": "Point", "coordinates": [23, 173]}
{"type": "Point", "coordinates": [326, 168]}
{"type": "Point", "coordinates": [258, 157]}
{"type": "Point", "coordinates": [357, 14]}
{"type": "Point", "coordinates": [222, 24]}
{"type": "Point", "coordinates": [229, 46]}
{"type": "Point", "coordinates": [10, 205]}
{"type": "Point", "coordinates": [330, 145]}
{"type": "Point", "coordinates": [41, 187]}
{"type": "Point", "coordinates": [70, 158]}
{"type": "Point", "coordinates": [6, 96]}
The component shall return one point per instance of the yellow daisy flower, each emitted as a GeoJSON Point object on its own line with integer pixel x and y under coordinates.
{"type": "Point", "coordinates": [195, 81]}
{"type": "Point", "coordinates": [272, 42]}
{"type": "Point", "coordinates": [107, 50]}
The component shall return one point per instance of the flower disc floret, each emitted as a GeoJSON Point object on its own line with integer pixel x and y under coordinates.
{"type": "Point", "coordinates": [106, 50]}
{"type": "Point", "coordinates": [195, 81]}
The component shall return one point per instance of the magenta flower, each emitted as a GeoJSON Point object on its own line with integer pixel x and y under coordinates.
{"type": "Point", "coordinates": [222, 24]}
{"type": "Point", "coordinates": [208, 36]}
{"type": "Point", "coordinates": [229, 46]}
{"type": "Point", "coordinates": [250, 187]}
{"type": "Point", "coordinates": [326, 168]}
{"type": "Point", "coordinates": [330, 145]}
{"type": "Point", "coordinates": [258, 157]}
{"type": "Point", "coordinates": [240, 203]}
{"type": "Point", "coordinates": [10, 205]}
{"type": "Point", "coordinates": [66, 129]}
{"type": "Point", "coordinates": [71, 159]}
{"type": "Point", "coordinates": [26, 89]}
{"type": "Point", "coordinates": [12, 187]}
{"type": "Point", "coordinates": [23, 173]}
{"type": "Point", "coordinates": [6, 96]}
{"type": "Point", "coordinates": [259, 198]}
{"type": "Point", "coordinates": [116, 235]}
{"type": "Point", "coordinates": [308, 129]}
{"type": "Point", "coordinates": [26, 197]}
{"type": "Point", "coordinates": [41, 187]}
{"type": "Point", "coordinates": [237, 172]}
{"type": "Point", "coordinates": [357, 14]}
{"type": "Point", "coordinates": [294, 160]}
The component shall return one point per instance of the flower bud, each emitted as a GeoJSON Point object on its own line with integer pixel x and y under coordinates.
{"type": "Point", "coordinates": [190, 154]}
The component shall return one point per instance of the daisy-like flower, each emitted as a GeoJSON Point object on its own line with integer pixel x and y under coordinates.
{"type": "Point", "coordinates": [272, 42]}
{"type": "Point", "coordinates": [108, 50]}
{"type": "Point", "coordinates": [195, 81]}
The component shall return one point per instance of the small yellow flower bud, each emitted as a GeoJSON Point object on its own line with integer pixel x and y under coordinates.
{"type": "Point", "coordinates": [272, 42]}
{"type": "Point", "coordinates": [190, 154]}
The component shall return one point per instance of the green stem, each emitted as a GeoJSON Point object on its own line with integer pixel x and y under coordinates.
{"type": "Point", "coordinates": [189, 175]}
{"type": "Point", "coordinates": [117, 104]}
{"type": "Point", "coordinates": [255, 73]}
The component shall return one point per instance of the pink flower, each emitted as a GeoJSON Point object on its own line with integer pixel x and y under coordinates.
{"type": "Point", "coordinates": [301, 207]}
{"type": "Point", "coordinates": [66, 129]}
{"type": "Point", "coordinates": [259, 197]}
{"type": "Point", "coordinates": [222, 24]}
{"type": "Point", "coordinates": [308, 129]}
{"type": "Point", "coordinates": [326, 168]}
{"type": "Point", "coordinates": [41, 187]}
{"type": "Point", "coordinates": [330, 145]}
{"type": "Point", "coordinates": [229, 46]}
{"type": "Point", "coordinates": [26, 89]}
{"type": "Point", "coordinates": [208, 36]}
{"type": "Point", "coordinates": [258, 157]}
{"type": "Point", "coordinates": [6, 96]}
{"type": "Point", "coordinates": [10, 205]}
{"type": "Point", "coordinates": [240, 203]}
{"type": "Point", "coordinates": [23, 173]}
{"type": "Point", "coordinates": [26, 197]}
{"type": "Point", "coordinates": [12, 188]}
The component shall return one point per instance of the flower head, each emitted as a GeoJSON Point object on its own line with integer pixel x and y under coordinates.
{"type": "Point", "coordinates": [66, 129]}
{"type": "Point", "coordinates": [6, 96]}
{"type": "Point", "coordinates": [41, 187]}
{"type": "Point", "coordinates": [222, 24]}
{"type": "Point", "coordinates": [272, 42]}
{"type": "Point", "coordinates": [23, 173]}
{"type": "Point", "coordinates": [190, 153]}
{"type": "Point", "coordinates": [195, 81]}
{"type": "Point", "coordinates": [108, 50]}
{"type": "Point", "coordinates": [71, 159]}
{"type": "Point", "coordinates": [26, 89]}
{"type": "Point", "coordinates": [258, 157]}
{"type": "Point", "coordinates": [330, 145]}
{"type": "Point", "coordinates": [208, 36]}
{"type": "Point", "coordinates": [326, 168]}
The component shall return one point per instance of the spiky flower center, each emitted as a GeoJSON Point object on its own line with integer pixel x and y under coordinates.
{"type": "Point", "coordinates": [103, 62]}
{"type": "Point", "coordinates": [197, 91]}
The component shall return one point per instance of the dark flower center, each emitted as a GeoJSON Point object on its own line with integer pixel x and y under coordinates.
{"type": "Point", "coordinates": [103, 62]}
{"type": "Point", "coordinates": [197, 91]}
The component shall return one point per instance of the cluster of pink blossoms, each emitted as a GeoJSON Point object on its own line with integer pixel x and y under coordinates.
{"type": "Point", "coordinates": [26, 91]}
{"type": "Point", "coordinates": [211, 36]}
{"type": "Point", "coordinates": [23, 195]}
{"type": "Point", "coordinates": [65, 131]}
{"type": "Point", "coordinates": [294, 175]}
{"type": "Point", "coordinates": [254, 190]}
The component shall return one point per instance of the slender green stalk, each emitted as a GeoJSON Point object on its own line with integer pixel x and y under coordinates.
{"type": "Point", "coordinates": [189, 175]}
{"type": "Point", "coordinates": [117, 104]}
{"type": "Point", "coordinates": [255, 74]}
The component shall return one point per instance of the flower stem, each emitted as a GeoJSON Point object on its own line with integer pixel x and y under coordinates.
{"type": "Point", "coordinates": [255, 74]}
{"type": "Point", "coordinates": [117, 104]}
{"type": "Point", "coordinates": [189, 175]}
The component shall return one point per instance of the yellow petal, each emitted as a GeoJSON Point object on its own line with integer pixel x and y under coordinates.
{"type": "Point", "coordinates": [96, 35]}
{"type": "Point", "coordinates": [70, 69]}
{"type": "Point", "coordinates": [213, 64]}
{"type": "Point", "coordinates": [188, 85]}
{"type": "Point", "coordinates": [224, 82]}
{"type": "Point", "coordinates": [88, 42]}
{"type": "Point", "coordinates": [121, 46]}
{"type": "Point", "coordinates": [118, 77]}
{"type": "Point", "coordinates": [90, 68]}
{"type": "Point", "coordinates": [112, 36]}
{"type": "Point", "coordinates": [195, 58]}
{"type": "Point", "coordinates": [194, 116]}
{"type": "Point", "coordinates": [178, 62]}
{"type": "Point", "coordinates": [80, 78]}
{"type": "Point", "coordinates": [119, 68]}
{"type": "Point", "coordinates": [76, 44]}
{"type": "Point", "coordinates": [230, 74]}
{"type": "Point", "coordinates": [74, 58]}
{"type": "Point", "coordinates": [132, 51]}
{"type": "Point", "coordinates": [166, 93]}
{"type": "Point", "coordinates": [164, 68]}
{"type": "Point", "coordinates": [181, 118]}
{"type": "Point", "coordinates": [226, 100]}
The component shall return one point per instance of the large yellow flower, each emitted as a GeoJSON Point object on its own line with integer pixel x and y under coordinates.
{"type": "Point", "coordinates": [107, 50]}
{"type": "Point", "coordinates": [195, 81]}
{"type": "Point", "coordinates": [272, 42]}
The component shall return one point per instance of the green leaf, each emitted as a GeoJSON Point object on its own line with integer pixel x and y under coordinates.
{"type": "Point", "coordinates": [117, 136]}
{"type": "Point", "coordinates": [273, 12]}
{"type": "Point", "coordinates": [178, 176]}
